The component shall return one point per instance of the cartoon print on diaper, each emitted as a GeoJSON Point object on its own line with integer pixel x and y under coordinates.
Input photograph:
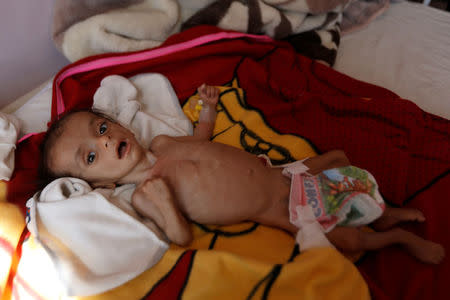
{"type": "Point", "coordinates": [342, 196]}
{"type": "Point", "coordinates": [340, 184]}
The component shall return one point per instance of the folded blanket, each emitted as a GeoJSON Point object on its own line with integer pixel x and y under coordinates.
{"type": "Point", "coordinates": [360, 12]}
{"type": "Point", "coordinates": [94, 27]}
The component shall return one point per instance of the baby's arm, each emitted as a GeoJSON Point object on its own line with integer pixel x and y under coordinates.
{"type": "Point", "coordinates": [209, 96]}
{"type": "Point", "coordinates": [153, 199]}
{"type": "Point", "coordinates": [328, 160]}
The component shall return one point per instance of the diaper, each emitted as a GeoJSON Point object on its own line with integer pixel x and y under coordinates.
{"type": "Point", "coordinates": [346, 196]}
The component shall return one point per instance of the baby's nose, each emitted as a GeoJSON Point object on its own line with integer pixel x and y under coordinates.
{"type": "Point", "coordinates": [105, 140]}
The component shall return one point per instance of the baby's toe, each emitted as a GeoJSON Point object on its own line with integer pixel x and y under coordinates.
{"type": "Point", "coordinates": [438, 254]}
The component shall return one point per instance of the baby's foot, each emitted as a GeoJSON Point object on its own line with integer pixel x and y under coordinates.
{"type": "Point", "coordinates": [392, 216]}
{"type": "Point", "coordinates": [405, 214]}
{"type": "Point", "coordinates": [424, 250]}
{"type": "Point", "coordinates": [411, 214]}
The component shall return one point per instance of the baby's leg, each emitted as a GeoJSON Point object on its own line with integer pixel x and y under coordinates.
{"type": "Point", "coordinates": [276, 218]}
{"type": "Point", "coordinates": [352, 239]}
{"type": "Point", "coordinates": [392, 216]}
{"type": "Point", "coordinates": [276, 215]}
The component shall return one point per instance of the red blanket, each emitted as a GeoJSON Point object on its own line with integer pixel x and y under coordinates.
{"type": "Point", "coordinates": [405, 148]}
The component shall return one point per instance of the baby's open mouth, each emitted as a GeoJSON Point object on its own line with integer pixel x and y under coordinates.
{"type": "Point", "coordinates": [123, 149]}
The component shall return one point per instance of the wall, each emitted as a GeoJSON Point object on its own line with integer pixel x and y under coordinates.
{"type": "Point", "coordinates": [27, 54]}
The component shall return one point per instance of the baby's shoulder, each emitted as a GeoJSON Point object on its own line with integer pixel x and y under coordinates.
{"type": "Point", "coordinates": [160, 142]}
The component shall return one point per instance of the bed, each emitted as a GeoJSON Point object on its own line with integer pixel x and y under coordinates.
{"type": "Point", "coordinates": [373, 125]}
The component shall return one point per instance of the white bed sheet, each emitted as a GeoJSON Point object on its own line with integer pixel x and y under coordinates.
{"type": "Point", "coordinates": [406, 50]}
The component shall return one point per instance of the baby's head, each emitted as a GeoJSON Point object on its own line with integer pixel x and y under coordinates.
{"type": "Point", "coordinates": [92, 147]}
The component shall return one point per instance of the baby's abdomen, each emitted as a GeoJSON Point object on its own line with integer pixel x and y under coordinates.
{"type": "Point", "coordinates": [217, 193]}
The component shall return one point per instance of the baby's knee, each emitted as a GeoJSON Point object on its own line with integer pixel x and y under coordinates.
{"type": "Point", "coordinates": [340, 158]}
{"type": "Point", "coordinates": [349, 239]}
{"type": "Point", "coordinates": [355, 241]}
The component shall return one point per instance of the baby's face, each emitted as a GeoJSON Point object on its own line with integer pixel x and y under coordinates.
{"type": "Point", "coordinates": [95, 149]}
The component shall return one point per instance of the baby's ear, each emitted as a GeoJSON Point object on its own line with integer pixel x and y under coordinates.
{"type": "Point", "coordinates": [104, 185]}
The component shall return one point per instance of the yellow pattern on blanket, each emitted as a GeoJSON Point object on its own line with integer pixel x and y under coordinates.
{"type": "Point", "coordinates": [242, 261]}
{"type": "Point", "coordinates": [245, 128]}
{"type": "Point", "coordinates": [246, 262]}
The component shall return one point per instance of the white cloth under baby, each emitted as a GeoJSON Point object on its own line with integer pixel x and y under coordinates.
{"type": "Point", "coordinates": [146, 104]}
{"type": "Point", "coordinates": [9, 130]}
{"type": "Point", "coordinates": [94, 245]}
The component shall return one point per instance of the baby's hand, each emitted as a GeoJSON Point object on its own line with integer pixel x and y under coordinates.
{"type": "Point", "coordinates": [153, 199]}
{"type": "Point", "coordinates": [209, 95]}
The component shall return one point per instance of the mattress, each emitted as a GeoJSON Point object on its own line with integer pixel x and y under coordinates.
{"type": "Point", "coordinates": [406, 50]}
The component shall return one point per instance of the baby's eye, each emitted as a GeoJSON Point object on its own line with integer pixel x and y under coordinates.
{"type": "Point", "coordinates": [103, 128]}
{"type": "Point", "coordinates": [90, 158]}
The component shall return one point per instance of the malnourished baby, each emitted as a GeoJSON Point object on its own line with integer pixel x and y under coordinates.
{"type": "Point", "coordinates": [212, 183]}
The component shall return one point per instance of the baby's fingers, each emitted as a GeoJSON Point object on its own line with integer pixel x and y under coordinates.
{"type": "Point", "coordinates": [201, 89]}
{"type": "Point", "coordinates": [211, 91]}
{"type": "Point", "coordinates": [214, 92]}
{"type": "Point", "coordinates": [208, 93]}
{"type": "Point", "coordinates": [204, 92]}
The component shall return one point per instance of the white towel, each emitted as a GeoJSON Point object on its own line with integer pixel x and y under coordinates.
{"type": "Point", "coordinates": [9, 130]}
{"type": "Point", "coordinates": [146, 104]}
{"type": "Point", "coordinates": [94, 245]}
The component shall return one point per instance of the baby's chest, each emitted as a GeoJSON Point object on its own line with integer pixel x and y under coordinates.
{"type": "Point", "coordinates": [178, 172]}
